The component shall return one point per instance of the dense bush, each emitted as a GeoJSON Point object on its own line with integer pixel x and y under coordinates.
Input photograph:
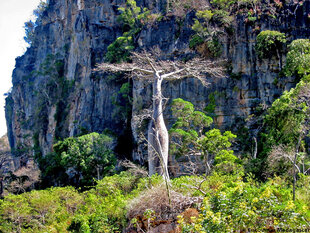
{"type": "Point", "coordinates": [39, 211]}
{"type": "Point", "coordinates": [248, 206]}
{"type": "Point", "coordinates": [101, 209]}
{"type": "Point", "coordinates": [298, 58]}
{"type": "Point", "coordinates": [90, 156]}
{"type": "Point", "coordinates": [270, 43]}
{"type": "Point", "coordinates": [79, 161]}
{"type": "Point", "coordinates": [230, 204]}
{"type": "Point", "coordinates": [286, 122]}
{"type": "Point", "coordinates": [286, 117]}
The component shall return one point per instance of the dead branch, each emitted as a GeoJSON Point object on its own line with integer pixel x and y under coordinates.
{"type": "Point", "coordinates": [134, 168]}
{"type": "Point", "coordinates": [146, 64]}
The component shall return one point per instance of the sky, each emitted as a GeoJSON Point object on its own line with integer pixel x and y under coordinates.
{"type": "Point", "coordinates": [13, 14]}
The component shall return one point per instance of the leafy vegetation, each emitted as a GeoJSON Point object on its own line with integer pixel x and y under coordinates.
{"type": "Point", "coordinates": [232, 201]}
{"type": "Point", "coordinates": [298, 58]}
{"type": "Point", "coordinates": [133, 19]}
{"type": "Point", "coordinates": [101, 209]}
{"type": "Point", "coordinates": [286, 123]}
{"type": "Point", "coordinates": [286, 117]}
{"type": "Point", "coordinates": [283, 144]}
{"type": "Point", "coordinates": [248, 206]}
{"type": "Point", "coordinates": [207, 32]}
{"type": "Point", "coordinates": [191, 139]}
{"type": "Point", "coordinates": [229, 203]}
{"type": "Point", "coordinates": [270, 43]}
{"type": "Point", "coordinates": [122, 100]}
{"type": "Point", "coordinates": [79, 160]}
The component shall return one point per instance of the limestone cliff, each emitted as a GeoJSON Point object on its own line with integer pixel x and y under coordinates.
{"type": "Point", "coordinates": [56, 94]}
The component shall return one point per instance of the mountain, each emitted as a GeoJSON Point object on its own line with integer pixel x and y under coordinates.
{"type": "Point", "coordinates": [57, 93]}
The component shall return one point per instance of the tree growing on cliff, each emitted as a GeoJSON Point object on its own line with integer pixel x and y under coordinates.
{"type": "Point", "coordinates": [287, 121]}
{"type": "Point", "coordinates": [191, 139]}
{"type": "Point", "coordinates": [153, 67]}
{"type": "Point", "coordinates": [270, 43]}
{"type": "Point", "coordinates": [30, 25]}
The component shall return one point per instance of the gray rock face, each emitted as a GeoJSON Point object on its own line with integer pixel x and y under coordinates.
{"type": "Point", "coordinates": [72, 38]}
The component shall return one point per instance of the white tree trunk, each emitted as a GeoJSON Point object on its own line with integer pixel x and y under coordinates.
{"type": "Point", "coordinates": [158, 139]}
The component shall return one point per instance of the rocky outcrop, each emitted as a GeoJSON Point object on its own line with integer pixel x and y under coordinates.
{"type": "Point", "coordinates": [56, 94]}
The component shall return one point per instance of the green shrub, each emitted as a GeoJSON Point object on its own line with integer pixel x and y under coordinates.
{"type": "Point", "coordinates": [90, 156]}
{"type": "Point", "coordinates": [133, 18]}
{"type": "Point", "coordinates": [195, 41]}
{"type": "Point", "coordinates": [270, 43]}
{"type": "Point", "coordinates": [119, 50]}
{"type": "Point", "coordinates": [41, 211]}
{"type": "Point", "coordinates": [286, 117]}
{"type": "Point", "coordinates": [244, 206]}
{"type": "Point", "coordinates": [190, 138]}
{"type": "Point", "coordinates": [87, 157]}
{"type": "Point", "coordinates": [298, 58]}
{"type": "Point", "coordinates": [206, 37]}
{"type": "Point", "coordinates": [215, 47]}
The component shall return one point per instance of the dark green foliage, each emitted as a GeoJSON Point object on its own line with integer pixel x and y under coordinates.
{"type": "Point", "coordinates": [119, 50]}
{"type": "Point", "coordinates": [270, 43]}
{"type": "Point", "coordinates": [285, 126]}
{"type": "Point", "coordinates": [214, 47]}
{"type": "Point", "coordinates": [85, 158]}
{"type": "Point", "coordinates": [286, 122]}
{"type": "Point", "coordinates": [195, 41]}
{"type": "Point", "coordinates": [285, 118]}
{"type": "Point", "coordinates": [89, 156]}
{"type": "Point", "coordinates": [206, 37]}
{"type": "Point", "coordinates": [133, 19]}
{"type": "Point", "coordinates": [53, 173]}
{"type": "Point", "coordinates": [210, 108]}
{"type": "Point", "coordinates": [123, 102]}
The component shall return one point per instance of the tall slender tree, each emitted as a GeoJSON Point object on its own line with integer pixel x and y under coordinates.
{"type": "Point", "coordinates": [152, 66]}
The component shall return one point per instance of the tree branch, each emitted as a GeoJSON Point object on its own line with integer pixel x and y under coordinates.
{"type": "Point", "coordinates": [172, 73]}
